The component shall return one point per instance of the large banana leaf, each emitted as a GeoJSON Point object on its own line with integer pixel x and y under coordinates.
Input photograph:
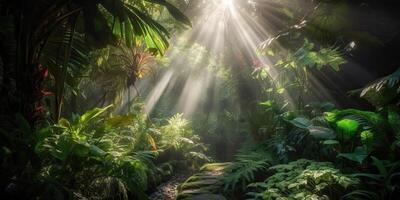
{"type": "Point", "coordinates": [123, 19]}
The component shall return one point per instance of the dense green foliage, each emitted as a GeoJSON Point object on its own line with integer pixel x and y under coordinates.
{"type": "Point", "coordinates": [303, 179]}
{"type": "Point", "coordinates": [110, 99]}
{"type": "Point", "coordinates": [122, 151]}
{"type": "Point", "coordinates": [244, 169]}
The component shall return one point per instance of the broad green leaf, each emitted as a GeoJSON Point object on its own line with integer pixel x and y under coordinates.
{"type": "Point", "coordinates": [327, 106]}
{"type": "Point", "coordinates": [268, 103]}
{"type": "Point", "coordinates": [301, 122]}
{"type": "Point", "coordinates": [64, 123]}
{"type": "Point", "coordinates": [367, 138]}
{"type": "Point", "coordinates": [280, 90]}
{"type": "Point", "coordinates": [63, 148]}
{"type": "Point", "coordinates": [347, 127]}
{"type": "Point", "coordinates": [381, 167]}
{"type": "Point", "coordinates": [330, 116]}
{"type": "Point", "coordinates": [82, 149]}
{"type": "Point", "coordinates": [331, 142]}
{"type": "Point", "coordinates": [320, 132]}
{"type": "Point", "coordinates": [96, 151]}
{"type": "Point", "coordinates": [358, 155]}
{"type": "Point", "coordinates": [85, 118]}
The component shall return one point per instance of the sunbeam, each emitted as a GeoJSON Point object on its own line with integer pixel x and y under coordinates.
{"type": "Point", "coordinates": [158, 90]}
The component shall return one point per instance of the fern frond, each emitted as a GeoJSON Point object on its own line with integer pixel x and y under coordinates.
{"type": "Point", "coordinates": [243, 170]}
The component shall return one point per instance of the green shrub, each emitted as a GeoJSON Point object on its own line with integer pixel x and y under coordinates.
{"type": "Point", "coordinates": [244, 169]}
{"type": "Point", "coordinates": [177, 136]}
{"type": "Point", "coordinates": [303, 179]}
{"type": "Point", "coordinates": [91, 150]}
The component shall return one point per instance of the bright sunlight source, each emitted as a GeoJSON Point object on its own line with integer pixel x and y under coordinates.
{"type": "Point", "coordinates": [228, 3]}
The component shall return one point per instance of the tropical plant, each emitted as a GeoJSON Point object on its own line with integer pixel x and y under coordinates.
{"type": "Point", "coordinates": [300, 135]}
{"type": "Point", "coordinates": [93, 150]}
{"type": "Point", "coordinates": [360, 132]}
{"type": "Point", "coordinates": [66, 57]}
{"type": "Point", "coordinates": [29, 28]}
{"type": "Point", "coordinates": [303, 179]}
{"type": "Point", "coordinates": [127, 63]}
{"type": "Point", "coordinates": [291, 70]}
{"type": "Point", "coordinates": [102, 23]}
{"type": "Point", "coordinates": [381, 185]}
{"type": "Point", "coordinates": [382, 92]}
{"type": "Point", "coordinates": [245, 169]}
{"type": "Point", "coordinates": [177, 136]}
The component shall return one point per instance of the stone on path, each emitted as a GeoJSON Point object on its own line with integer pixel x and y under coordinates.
{"type": "Point", "coordinates": [168, 190]}
{"type": "Point", "coordinates": [204, 185]}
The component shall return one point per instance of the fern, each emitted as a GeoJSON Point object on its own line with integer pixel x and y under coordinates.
{"type": "Point", "coordinates": [177, 135]}
{"type": "Point", "coordinates": [243, 170]}
{"type": "Point", "coordinates": [176, 132]}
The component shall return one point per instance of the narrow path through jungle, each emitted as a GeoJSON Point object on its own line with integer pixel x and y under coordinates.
{"type": "Point", "coordinates": [200, 185]}
{"type": "Point", "coordinates": [169, 190]}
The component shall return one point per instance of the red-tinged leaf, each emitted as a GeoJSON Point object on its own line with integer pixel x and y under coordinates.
{"type": "Point", "coordinates": [47, 93]}
{"type": "Point", "coordinates": [45, 73]}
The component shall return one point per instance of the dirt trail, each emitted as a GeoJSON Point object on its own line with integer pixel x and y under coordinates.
{"type": "Point", "coordinates": [168, 190]}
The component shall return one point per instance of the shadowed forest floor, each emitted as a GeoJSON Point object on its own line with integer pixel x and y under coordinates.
{"type": "Point", "coordinates": [169, 189]}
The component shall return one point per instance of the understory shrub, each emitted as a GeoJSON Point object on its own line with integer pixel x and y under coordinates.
{"type": "Point", "coordinates": [303, 179]}
{"type": "Point", "coordinates": [245, 169]}
{"type": "Point", "coordinates": [99, 155]}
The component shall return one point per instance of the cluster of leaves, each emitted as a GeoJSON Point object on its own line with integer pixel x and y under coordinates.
{"type": "Point", "coordinates": [306, 55]}
{"type": "Point", "coordinates": [320, 131]}
{"type": "Point", "coordinates": [384, 184]}
{"type": "Point", "coordinates": [53, 39]}
{"type": "Point", "coordinates": [91, 148]}
{"type": "Point", "coordinates": [291, 70]}
{"type": "Point", "coordinates": [128, 63]}
{"type": "Point", "coordinates": [364, 132]}
{"type": "Point", "coordinates": [177, 135]}
{"type": "Point", "coordinates": [303, 179]}
{"type": "Point", "coordinates": [382, 92]}
{"type": "Point", "coordinates": [354, 135]}
{"type": "Point", "coordinates": [297, 133]}
{"type": "Point", "coordinates": [119, 151]}
{"type": "Point", "coordinates": [245, 169]}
